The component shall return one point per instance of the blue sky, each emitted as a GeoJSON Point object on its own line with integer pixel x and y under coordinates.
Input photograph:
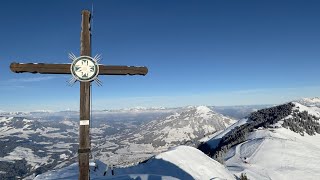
{"type": "Point", "coordinates": [198, 52]}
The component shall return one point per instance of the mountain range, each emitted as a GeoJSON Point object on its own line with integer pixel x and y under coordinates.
{"type": "Point", "coordinates": [279, 142]}
{"type": "Point", "coordinates": [275, 142]}
{"type": "Point", "coordinates": [34, 146]}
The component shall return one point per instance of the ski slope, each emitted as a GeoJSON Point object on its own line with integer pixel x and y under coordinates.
{"type": "Point", "coordinates": [281, 154]}
{"type": "Point", "coordinates": [277, 153]}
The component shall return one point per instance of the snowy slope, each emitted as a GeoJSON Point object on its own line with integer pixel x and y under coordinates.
{"type": "Point", "coordinates": [184, 126]}
{"type": "Point", "coordinates": [32, 146]}
{"type": "Point", "coordinates": [272, 150]}
{"type": "Point", "coordinates": [309, 101]}
{"type": "Point", "coordinates": [278, 143]}
{"type": "Point", "coordinates": [97, 172]}
{"type": "Point", "coordinates": [215, 138]}
{"type": "Point", "coordinates": [182, 162]}
{"type": "Point", "coordinates": [281, 154]}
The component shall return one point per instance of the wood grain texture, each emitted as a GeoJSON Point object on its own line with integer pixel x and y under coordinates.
{"type": "Point", "coordinates": [43, 68]}
{"type": "Point", "coordinates": [122, 70]}
{"type": "Point", "coordinates": [84, 131]}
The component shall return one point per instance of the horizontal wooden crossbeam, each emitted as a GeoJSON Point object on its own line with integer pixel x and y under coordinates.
{"type": "Point", "coordinates": [43, 68]}
{"type": "Point", "coordinates": [122, 70]}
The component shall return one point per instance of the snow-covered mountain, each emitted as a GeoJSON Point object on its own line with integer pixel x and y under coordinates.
{"type": "Point", "coordinates": [122, 138]}
{"type": "Point", "coordinates": [3, 113]}
{"type": "Point", "coordinates": [184, 127]}
{"type": "Point", "coordinates": [282, 142]}
{"type": "Point", "coordinates": [182, 162]}
{"type": "Point", "coordinates": [143, 109]}
{"type": "Point", "coordinates": [310, 101]}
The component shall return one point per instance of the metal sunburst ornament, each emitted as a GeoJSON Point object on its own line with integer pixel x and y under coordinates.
{"type": "Point", "coordinates": [84, 69]}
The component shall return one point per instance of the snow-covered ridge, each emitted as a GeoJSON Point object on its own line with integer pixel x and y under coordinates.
{"type": "Point", "coordinates": [56, 138]}
{"type": "Point", "coordinates": [186, 125]}
{"type": "Point", "coordinates": [269, 149]}
{"type": "Point", "coordinates": [180, 127]}
{"type": "Point", "coordinates": [138, 108]}
{"type": "Point", "coordinates": [312, 100]}
{"type": "Point", "coordinates": [203, 110]}
{"type": "Point", "coordinates": [182, 162]}
{"type": "Point", "coordinates": [273, 116]}
{"type": "Point", "coordinates": [214, 141]}
{"type": "Point", "coordinates": [315, 101]}
{"type": "Point", "coordinates": [310, 110]}
{"type": "Point", "coordinates": [276, 154]}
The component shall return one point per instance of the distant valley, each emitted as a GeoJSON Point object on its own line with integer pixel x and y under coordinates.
{"type": "Point", "coordinates": [278, 142]}
{"type": "Point", "coordinates": [35, 142]}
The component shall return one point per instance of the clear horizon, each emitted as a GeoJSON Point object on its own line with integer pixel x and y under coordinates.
{"type": "Point", "coordinates": [217, 53]}
{"type": "Point", "coordinates": [155, 107]}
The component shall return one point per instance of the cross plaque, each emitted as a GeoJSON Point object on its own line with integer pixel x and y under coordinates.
{"type": "Point", "coordinates": [84, 69]}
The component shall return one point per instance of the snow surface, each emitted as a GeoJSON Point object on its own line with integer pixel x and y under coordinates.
{"type": "Point", "coordinates": [312, 100]}
{"type": "Point", "coordinates": [277, 153]}
{"type": "Point", "coordinates": [97, 170]}
{"type": "Point", "coordinates": [310, 110]}
{"type": "Point", "coordinates": [203, 111]}
{"type": "Point", "coordinates": [273, 153]}
{"type": "Point", "coordinates": [20, 153]}
{"type": "Point", "coordinates": [309, 101]}
{"type": "Point", "coordinates": [182, 162]}
{"type": "Point", "coordinates": [140, 177]}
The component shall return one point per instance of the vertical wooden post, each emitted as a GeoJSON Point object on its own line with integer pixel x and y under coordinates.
{"type": "Point", "coordinates": [85, 50]}
{"type": "Point", "coordinates": [84, 140]}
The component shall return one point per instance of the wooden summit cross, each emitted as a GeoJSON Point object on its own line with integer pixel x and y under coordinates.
{"type": "Point", "coordinates": [85, 69]}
